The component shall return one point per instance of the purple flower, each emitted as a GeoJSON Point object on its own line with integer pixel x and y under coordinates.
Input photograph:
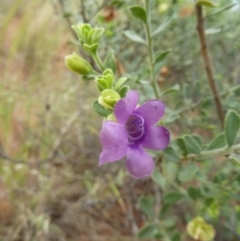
{"type": "Point", "coordinates": [134, 131]}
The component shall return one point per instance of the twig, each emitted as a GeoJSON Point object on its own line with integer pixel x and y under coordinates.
{"type": "Point", "coordinates": [149, 39]}
{"type": "Point", "coordinates": [67, 19]}
{"type": "Point", "coordinates": [83, 13]}
{"type": "Point", "coordinates": [207, 63]}
{"type": "Point", "coordinates": [224, 151]}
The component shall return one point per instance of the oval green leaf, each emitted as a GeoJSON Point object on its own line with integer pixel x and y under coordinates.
{"type": "Point", "coordinates": [134, 37]}
{"type": "Point", "coordinates": [231, 126]}
{"type": "Point", "coordinates": [218, 142]}
{"type": "Point", "coordinates": [138, 12]}
{"type": "Point", "coordinates": [148, 231]}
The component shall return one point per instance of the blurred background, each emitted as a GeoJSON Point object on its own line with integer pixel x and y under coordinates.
{"type": "Point", "coordinates": [51, 187]}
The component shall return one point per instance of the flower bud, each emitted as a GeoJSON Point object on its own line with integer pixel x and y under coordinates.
{"type": "Point", "coordinates": [200, 230]}
{"type": "Point", "coordinates": [87, 34]}
{"type": "Point", "coordinates": [106, 80]}
{"type": "Point", "coordinates": [77, 64]}
{"type": "Point", "coordinates": [108, 98]}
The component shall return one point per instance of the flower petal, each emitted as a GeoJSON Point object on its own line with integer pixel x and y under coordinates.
{"type": "Point", "coordinates": [114, 140]}
{"type": "Point", "coordinates": [125, 106]}
{"type": "Point", "coordinates": [139, 162]}
{"type": "Point", "coordinates": [157, 138]}
{"type": "Point", "coordinates": [151, 111]}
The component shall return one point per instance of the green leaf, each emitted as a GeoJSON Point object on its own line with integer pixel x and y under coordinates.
{"type": "Point", "coordinates": [100, 109]}
{"type": "Point", "coordinates": [165, 209]}
{"type": "Point", "coordinates": [138, 12]}
{"type": "Point", "coordinates": [169, 170]}
{"type": "Point", "coordinates": [169, 221]}
{"type": "Point", "coordinates": [187, 172]}
{"type": "Point", "coordinates": [210, 31]}
{"type": "Point", "coordinates": [123, 91]}
{"type": "Point", "coordinates": [159, 179]}
{"type": "Point", "coordinates": [161, 56]}
{"type": "Point", "coordinates": [172, 197]}
{"type": "Point", "coordinates": [235, 158]}
{"type": "Point", "coordinates": [207, 3]}
{"type": "Point", "coordinates": [176, 87]}
{"type": "Point", "coordinates": [193, 193]}
{"type": "Point", "coordinates": [218, 142]}
{"type": "Point", "coordinates": [147, 204]}
{"type": "Point", "coordinates": [176, 236]}
{"type": "Point", "coordinates": [170, 154]}
{"type": "Point", "coordinates": [181, 144]}
{"type": "Point", "coordinates": [120, 82]}
{"type": "Point", "coordinates": [148, 231]}
{"type": "Point", "coordinates": [231, 126]}
{"type": "Point", "coordinates": [162, 26]}
{"type": "Point", "coordinates": [191, 144]}
{"type": "Point", "coordinates": [198, 139]}
{"type": "Point", "coordinates": [134, 37]}
{"type": "Point", "coordinates": [209, 201]}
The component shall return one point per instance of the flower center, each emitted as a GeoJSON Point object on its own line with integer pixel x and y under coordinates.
{"type": "Point", "coordinates": [135, 128]}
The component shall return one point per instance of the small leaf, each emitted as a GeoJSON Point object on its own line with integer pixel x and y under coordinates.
{"type": "Point", "coordinates": [162, 26]}
{"type": "Point", "coordinates": [209, 201]}
{"type": "Point", "coordinates": [100, 109]}
{"type": "Point", "coordinates": [176, 236]}
{"type": "Point", "coordinates": [231, 126]}
{"type": "Point", "coordinates": [161, 56]}
{"type": "Point", "coordinates": [218, 142]}
{"type": "Point", "coordinates": [198, 139]}
{"type": "Point", "coordinates": [210, 31]}
{"type": "Point", "coordinates": [146, 204]}
{"type": "Point", "coordinates": [207, 3]}
{"type": "Point", "coordinates": [148, 231]}
{"type": "Point", "coordinates": [159, 179]}
{"type": "Point", "coordinates": [181, 144]}
{"type": "Point", "coordinates": [138, 12]}
{"type": "Point", "coordinates": [176, 87]}
{"type": "Point", "coordinates": [170, 154]}
{"type": "Point", "coordinates": [134, 36]}
{"type": "Point", "coordinates": [120, 82]}
{"type": "Point", "coordinates": [123, 91]}
{"type": "Point", "coordinates": [172, 197]}
{"type": "Point", "coordinates": [193, 193]}
{"type": "Point", "coordinates": [235, 158]}
{"type": "Point", "coordinates": [165, 209]}
{"type": "Point", "coordinates": [187, 172]}
{"type": "Point", "coordinates": [191, 144]}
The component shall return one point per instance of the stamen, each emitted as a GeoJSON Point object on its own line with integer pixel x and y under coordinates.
{"type": "Point", "coordinates": [135, 128]}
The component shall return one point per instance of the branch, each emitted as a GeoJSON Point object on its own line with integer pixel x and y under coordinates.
{"type": "Point", "coordinates": [207, 63]}
{"type": "Point", "coordinates": [224, 151]}
{"type": "Point", "coordinates": [85, 20]}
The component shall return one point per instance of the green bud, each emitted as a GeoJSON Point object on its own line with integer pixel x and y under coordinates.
{"type": "Point", "coordinates": [87, 34]}
{"type": "Point", "coordinates": [108, 98]}
{"type": "Point", "coordinates": [106, 80]}
{"type": "Point", "coordinates": [91, 49]}
{"type": "Point", "coordinates": [77, 64]}
{"type": "Point", "coordinates": [101, 83]}
{"type": "Point", "coordinates": [200, 230]}
{"type": "Point", "coordinates": [97, 35]}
